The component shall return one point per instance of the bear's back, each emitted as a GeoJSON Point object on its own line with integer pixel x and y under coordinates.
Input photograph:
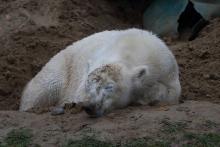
{"type": "Point", "coordinates": [133, 47]}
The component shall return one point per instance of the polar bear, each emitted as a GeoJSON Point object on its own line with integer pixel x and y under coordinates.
{"type": "Point", "coordinates": [106, 71]}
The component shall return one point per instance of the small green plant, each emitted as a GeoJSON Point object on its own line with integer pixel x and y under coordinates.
{"type": "Point", "coordinates": [172, 127]}
{"type": "Point", "coordinates": [92, 142]}
{"type": "Point", "coordinates": [141, 142]}
{"type": "Point", "coordinates": [210, 124]}
{"type": "Point", "coordinates": [88, 142]}
{"type": "Point", "coordinates": [17, 138]}
{"type": "Point", "coordinates": [203, 140]}
{"type": "Point", "coordinates": [147, 142]}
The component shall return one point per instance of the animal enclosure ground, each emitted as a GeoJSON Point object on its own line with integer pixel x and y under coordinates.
{"type": "Point", "coordinates": [188, 124]}
{"type": "Point", "coordinates": [31, 32]}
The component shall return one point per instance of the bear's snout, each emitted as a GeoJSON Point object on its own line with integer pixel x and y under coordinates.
{"type": "Point", "coordinates": [89, 109]}
{"type": "Point", "coordinates": [92, 110]}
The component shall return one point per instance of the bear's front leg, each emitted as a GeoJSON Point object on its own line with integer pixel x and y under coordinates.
{"type": "Point", "coordinates": [154, 94]}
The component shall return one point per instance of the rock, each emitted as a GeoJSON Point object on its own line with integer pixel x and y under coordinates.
{"type": "Point", "coordinates": [57, 111]}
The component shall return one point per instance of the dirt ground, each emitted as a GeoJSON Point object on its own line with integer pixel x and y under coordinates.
{"type": "Point", "coordinates": [199, 62]}
{"type": "Point", "coordinates": [119, 126]}
{"type": "Point", "coordinates": [31, 32]}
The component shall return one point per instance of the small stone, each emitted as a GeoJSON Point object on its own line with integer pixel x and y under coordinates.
{"type": "Point", "coordinates": [57, 111]}
{"type": "Point", "coordinates": [184, 109]}
{"type": "Point", "coordinates": [206, 76]}
{"type": "Point", "coordinates": [214, 76]}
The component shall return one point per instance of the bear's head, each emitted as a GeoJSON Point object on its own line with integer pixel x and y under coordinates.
{"type": "Point", "coordinates": [109, 87]}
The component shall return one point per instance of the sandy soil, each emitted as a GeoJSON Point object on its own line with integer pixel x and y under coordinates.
{"type": "Point", "coordinates": [136, 122]}
{"type": "Point", "coordinates": [31, 32]}
{"type": "Point", "coordinates": [199, 62]}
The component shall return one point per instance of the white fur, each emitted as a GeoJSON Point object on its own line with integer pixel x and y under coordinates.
{"type": "Point", "coordinates": [62, 79]}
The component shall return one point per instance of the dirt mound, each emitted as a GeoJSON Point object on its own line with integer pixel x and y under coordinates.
{"type": "Point", "coordinates": [31, 32]}
{"type": "Point", "coordinates": [199, 62]}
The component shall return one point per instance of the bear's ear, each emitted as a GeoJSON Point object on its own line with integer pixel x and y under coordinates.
{"type": "Point", "coordinates": [140, 72]}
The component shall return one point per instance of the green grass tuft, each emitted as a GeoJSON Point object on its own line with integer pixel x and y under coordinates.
{"type": "Point", "coordinates": [210, 124]}
{"type": "Point", "coordinates": [203, 140]}
{"type": "Point", "coordinates": [172, 127]}
{"type": "Point", "coordinates": [92, 142]}
{"type": "Point", "coordinates": [17, 138]}
{"type": "Point", "coordinates": [88, 142]}
{"type": "Point", "coordinates": [147, 142]}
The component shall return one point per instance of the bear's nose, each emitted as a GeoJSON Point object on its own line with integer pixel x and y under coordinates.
{"type": "Point", "coordinates": [90, 109]}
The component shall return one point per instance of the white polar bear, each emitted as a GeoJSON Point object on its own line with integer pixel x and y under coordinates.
{"type": "Point", "coordinates": [105, 71]}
